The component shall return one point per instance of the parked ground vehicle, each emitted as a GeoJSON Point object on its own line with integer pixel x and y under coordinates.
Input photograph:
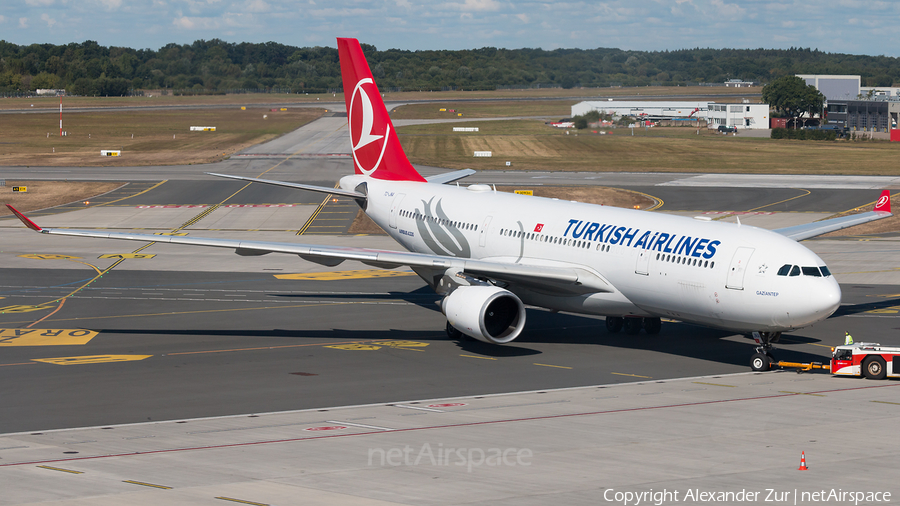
{"type": "Point", "coordinates": [724, 129]}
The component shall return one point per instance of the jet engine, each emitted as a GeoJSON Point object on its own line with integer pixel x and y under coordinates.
{"type": "Point", "coordinates": [487, 313]}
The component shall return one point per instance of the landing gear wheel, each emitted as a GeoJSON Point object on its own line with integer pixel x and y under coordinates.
{"type": "Point", "coordinates": [454, 333]}
{"type": "Point", "coordinates": [652, 325]}
{"type": "Point", "coordinates": [614, 323]}
{"type": "Point", "coordinates": [874, 368]}
{"type": "Point", "coordinates": [760, 362]}
{"type": "Point", "coordinates": [633, 326]}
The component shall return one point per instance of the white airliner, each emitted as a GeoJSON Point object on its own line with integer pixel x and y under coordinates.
{"type": "Point", "coordinates": [490, 253]}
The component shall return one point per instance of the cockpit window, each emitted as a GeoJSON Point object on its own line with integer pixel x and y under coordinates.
{"type": "Point", "coordinates": [812, 271]}
{"type": "Point", "coordinates": [795, 271]}
{"type": "Point", "coordinates": [784, 270]}
{"type": "Point", "coordinates": [825, 271]}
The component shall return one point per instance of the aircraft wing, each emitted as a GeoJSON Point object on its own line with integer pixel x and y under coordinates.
{"type": "Point", "coordinates": [449, 177]}
{"type": "Point", "coordinates": [572, 280]}
{"type": "Point", "coordinates": [816, 228]}
{"type": "Point", "coordinates": [799, 232]}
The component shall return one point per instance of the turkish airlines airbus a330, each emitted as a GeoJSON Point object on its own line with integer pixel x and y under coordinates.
{"type": "Point", "coordinates": [491, 253]}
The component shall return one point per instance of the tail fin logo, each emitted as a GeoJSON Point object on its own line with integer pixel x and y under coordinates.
{"type": "Point", "coordinates": [367, 152]}
{"type": "Point", "coordinates": [883, 202]}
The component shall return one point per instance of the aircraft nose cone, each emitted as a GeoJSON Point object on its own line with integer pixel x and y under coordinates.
{"type": "Point", "coordinates": [822, 301]}
{"type": "Point", "coordinates": [830, 298]}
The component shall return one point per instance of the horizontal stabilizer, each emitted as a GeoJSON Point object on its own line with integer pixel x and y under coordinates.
{"type": "Point", "coordinates": [298, 186]}
{"type": "Point", "coordinates": [449, 177]}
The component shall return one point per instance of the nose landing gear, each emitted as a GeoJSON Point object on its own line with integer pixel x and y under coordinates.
{"type": "Point", "coordinates": [762, 360]}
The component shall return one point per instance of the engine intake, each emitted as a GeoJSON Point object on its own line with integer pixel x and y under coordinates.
{"type": "Point", "coordinates": [487, 313]}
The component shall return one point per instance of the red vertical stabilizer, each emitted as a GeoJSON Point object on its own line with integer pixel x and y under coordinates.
{"type": "Point", "coordinates": [376, 150]}
{"type": "Point", "coordinates": [884, 202]}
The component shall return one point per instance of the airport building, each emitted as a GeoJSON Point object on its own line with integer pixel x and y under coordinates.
{"type": "Point", "coordinates": [880, 111]}
{"type": "Point", "coordinates": [834, 87]}
{"type": "Point", "coordinates": [742, 116]}
{"type": "Point", "coordinates": [879, 115]}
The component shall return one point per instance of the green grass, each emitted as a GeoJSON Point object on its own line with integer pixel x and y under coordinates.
{"type": "Point", "coordinates": [145, 137]}
{"type": "Point", "coordinates": [530, 145]}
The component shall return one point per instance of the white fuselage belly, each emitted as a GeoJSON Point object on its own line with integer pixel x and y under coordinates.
{"type": "Point", "coordinates": [711, 273]}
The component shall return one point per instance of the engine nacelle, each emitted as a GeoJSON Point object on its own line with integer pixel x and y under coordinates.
{"type": "Point", "coordinates": [487, 313]}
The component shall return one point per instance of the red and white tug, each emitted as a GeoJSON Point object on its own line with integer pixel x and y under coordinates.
{"type": "Point", "coordinates": [871, 360]}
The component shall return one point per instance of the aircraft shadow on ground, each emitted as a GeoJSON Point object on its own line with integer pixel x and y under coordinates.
{"type": "Point", "coordinates": [423, 297]}
{"type": "Point", "coordinates": [542, 328]}
{"type": "Point", "coordinates": [676, 338]}
{"type": "Point", "coordinates": [868, 306]}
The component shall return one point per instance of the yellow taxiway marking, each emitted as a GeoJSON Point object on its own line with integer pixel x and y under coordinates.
{"type": "Point", "coordinates": [557, 366]}
{"type": "Point", "coordinates": [45, 337]}
{"type": "Point", "coordinates": [127, 255]}
{"type": "Point", "coordinates": [355, 347]}
{"type": "Point", "coordinates": [47, 256]}
{"type": "Point", "coordinates": [232, 499]}
{"type": "Point", "coordinates": [781, 201]}
{"type": "Point", "coordinates": [23, 308]}
{"type": "Point", "coordinates": [61, 469]}
{"type": "Point", "coordinates": [476, 356]}
{"type": "Point", "coordinates": [632, 375]}
{"type": "Point", "coordinates": [147, 484]}
{"type": "Point", "coordinates": [171, 233]}
{"type": "Point", "coordinates": [887, 402]}
{"type": "Point", "coordinates": [91, 359]}
{"type": "Point", "coordinates": [800, 393]}
{"type": "Point", "coordinates": [886, 310]}
{"type": "Point", "coordinates": [169, 313]}
{"type": "Point", "coordinates": [400, 344]}
{"type": "Point", "coordinates": [338, 275]}
{"type": "Point", "coordinates": [714, 384]}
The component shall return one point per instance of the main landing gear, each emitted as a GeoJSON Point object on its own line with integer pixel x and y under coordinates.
{"type": "Point", "coordinates": [633, 324]}
{"type": "Point", "coordinates": [762, 360]}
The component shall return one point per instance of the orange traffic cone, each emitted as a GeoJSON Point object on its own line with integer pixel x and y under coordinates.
{"type": "Point", "coordinates": [803, 462]}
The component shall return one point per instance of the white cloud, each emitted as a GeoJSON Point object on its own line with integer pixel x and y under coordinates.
{"type": "Point", "coordinates": [110, 5]}
{"type": "Point", "coordinates": [183, 22]}
{"type": "Point", "coordinates": [727, 10]}
{"type": "Point", "coordinates": [39, 3]}
{"type": "Point", "coordinates": [474, 6]}
{"type": "Point", "coordinates": [2, 19]}
{"type": "Point", "coordinates": [258, 6]}
{"type": "Point", "coordinates": [47, 19]}
{"type": "Point", "coordinates": [23, 22]}
{"type": "Point", "coordinates": [523, 17]}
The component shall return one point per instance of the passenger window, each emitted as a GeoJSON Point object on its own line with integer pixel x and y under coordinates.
{"type": "Point", "coordinates": [843, 355]}
{"type": "Point", "coordinates": [784, 270]}
{"type": "Point", "coordinates": [795, 271]}
{"type": "Point", "coordinates": [812, 271]}
{"type": "Point", "coordinates": [825, 271]}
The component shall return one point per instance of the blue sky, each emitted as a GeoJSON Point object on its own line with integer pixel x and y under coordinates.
{"type": "Point", "coordinates": [842, 26]}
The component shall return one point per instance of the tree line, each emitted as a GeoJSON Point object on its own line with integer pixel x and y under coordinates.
{"type": "Point", "coordinates": [215, 66]}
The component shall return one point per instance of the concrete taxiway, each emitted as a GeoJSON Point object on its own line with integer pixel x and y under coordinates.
{"type": "Point", "coordinates": [115, 355]}
{"type": "Point", "coordinates": [733, 436]}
